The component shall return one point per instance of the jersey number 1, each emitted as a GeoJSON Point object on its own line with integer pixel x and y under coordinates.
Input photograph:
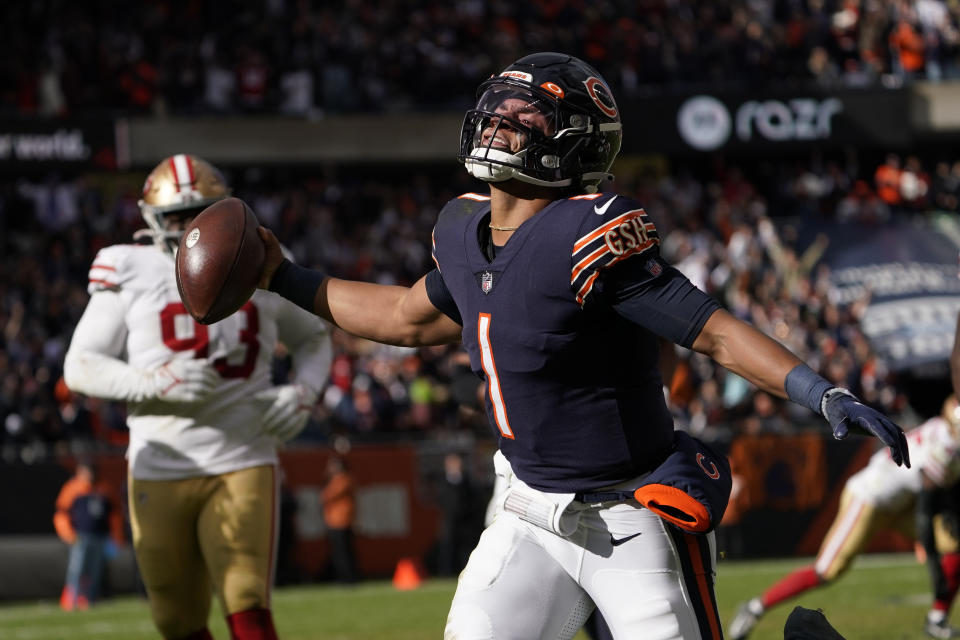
{"type": "Point", "coordinates": [493, 380]}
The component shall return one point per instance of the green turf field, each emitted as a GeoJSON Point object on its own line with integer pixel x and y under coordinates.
{"type": "Point", "coordinates": [883, 597]}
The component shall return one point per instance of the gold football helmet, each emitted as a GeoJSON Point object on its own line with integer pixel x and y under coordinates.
{"type": "Point", "coordinates": [180, 186]}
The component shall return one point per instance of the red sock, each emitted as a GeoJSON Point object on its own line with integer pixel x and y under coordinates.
{"type": "Point", "coordinates": [203, 634]}
{"type": "Point", "coordinates": [252, 624]}
{"type": "Point", "coordinates": [68, 599]}
{"type": "Point", "coordinates": [950, 563]}
{"type": "Point", "coordinates": [793, 584]}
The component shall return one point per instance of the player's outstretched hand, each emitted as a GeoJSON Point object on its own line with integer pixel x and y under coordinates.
{"type": "Point", "coordinates": [848, 415]}
{"type": "Point", "coordinates": [288, 410]}
{"type": "Point", "coordinates": [184, 380]}
{"type": "Point", "coordinates": [273, 258]}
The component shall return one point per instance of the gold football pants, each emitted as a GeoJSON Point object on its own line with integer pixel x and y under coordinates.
{"type": "Point", "coordinates": [203, 533]}
{"type": "Point", "coordinates": [855, 525]}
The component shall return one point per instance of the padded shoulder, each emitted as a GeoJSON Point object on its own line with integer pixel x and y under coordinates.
{"type": "Point", "coordinates": [612, 229]}
{"type": "Point", "coordinates": [128, 265]}
{"type": "Point", "coordinates": [451, 219]}
{"type": "Point", "coordinates": [464, 206]}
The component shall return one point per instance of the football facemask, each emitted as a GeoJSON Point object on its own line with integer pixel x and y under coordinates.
{"type": "Point", "coordinates": [548, 119]}
{"type": "Point", "coordinates": [508, 124]}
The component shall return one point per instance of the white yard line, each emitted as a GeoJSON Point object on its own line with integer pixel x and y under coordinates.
{"type": "Point", "coordinates": [70, 630]}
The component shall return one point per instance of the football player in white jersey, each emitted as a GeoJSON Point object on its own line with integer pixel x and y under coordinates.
{"type": "Point", "coordinates": [881, 496]}
{"type": "Point", "coordinates": [205, 420]}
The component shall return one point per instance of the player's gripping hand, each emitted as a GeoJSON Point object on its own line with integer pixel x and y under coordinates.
{"type": "Point", "coordinates": [288, 410]}
{"type": "Point", "coordinates": [272, 258]}
{"type": "Point", "coordinates": [183, 380]}
{"type": "Point", "coordinates": [846, 414]}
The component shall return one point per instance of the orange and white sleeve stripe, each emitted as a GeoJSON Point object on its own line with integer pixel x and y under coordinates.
{"type": "Point", "coordinates": [612, 241]}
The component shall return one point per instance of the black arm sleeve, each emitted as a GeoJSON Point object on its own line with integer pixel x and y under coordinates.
{"type": "Point", "coordinates": [659, 298]}
{"type": "Point", "coordinates": [440, 296]}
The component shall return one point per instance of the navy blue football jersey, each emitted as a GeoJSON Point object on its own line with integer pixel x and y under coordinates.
{"type": "Point", "coordinates": [573, 387]}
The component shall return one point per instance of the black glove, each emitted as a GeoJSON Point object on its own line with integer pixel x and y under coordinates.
{"type": "Point", "coordinates": [846, 414]}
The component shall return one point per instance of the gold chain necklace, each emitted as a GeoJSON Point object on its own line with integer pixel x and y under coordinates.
{"type": "Point", "coordinates": [496, 228]}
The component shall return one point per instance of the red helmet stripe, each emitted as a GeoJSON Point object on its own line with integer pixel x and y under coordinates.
{"type": "Point", "coordinates": [173, 170]}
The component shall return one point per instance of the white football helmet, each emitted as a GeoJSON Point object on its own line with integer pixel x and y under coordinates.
{"type": "Point", "coordinates": [182, 185]}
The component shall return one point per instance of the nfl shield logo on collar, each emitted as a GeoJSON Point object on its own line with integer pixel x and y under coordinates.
{"type": "Point", "coordinates": [486, 281]}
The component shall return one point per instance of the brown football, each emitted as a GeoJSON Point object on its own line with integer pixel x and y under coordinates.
{"type": "Point", "coordinates": [219, 260]}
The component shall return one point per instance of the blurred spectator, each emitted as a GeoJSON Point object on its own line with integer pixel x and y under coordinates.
{"type": "Point", "coordinates": [887, 179]}
{"type": "Point", "coordinates": [220, 86]}
{"type": "Point", "coordinates": [83, 519]}
{"type": "Point", "coordinates": [394, 57]}
{"type": "Point", "coordinates": [253, 80]}
{"type": "Point", "coordinates": [939, 36]}
{"type": "Point", "coordinates": [731, 229]}
{"type": "Point", "coordinates": [946, 186]}
{"type": "Point", "coordinates": [339, 513]}
{"type": "Point", "coordinates": [907, 43]}
{"type": "Point", "coordinates": [862, 204]}
{"type": "Point", "coordinates": [461, 510]}
{"type": "Point", "coordinates": [914, 184]}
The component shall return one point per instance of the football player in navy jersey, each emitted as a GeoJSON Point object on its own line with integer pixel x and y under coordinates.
{"type": "Point", "coordinates": [560, 297]}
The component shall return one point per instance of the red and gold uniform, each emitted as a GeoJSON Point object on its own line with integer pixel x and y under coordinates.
{"type": "Point", "coordinates": [881, 496]}
{"type": "Point", "coordinates": [205, 418]}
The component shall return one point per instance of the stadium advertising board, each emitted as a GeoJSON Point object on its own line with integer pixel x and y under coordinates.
{"type": "Point", "coordinates": [48, 144]}
{"type": "Point", "coordinates": [707, 122]}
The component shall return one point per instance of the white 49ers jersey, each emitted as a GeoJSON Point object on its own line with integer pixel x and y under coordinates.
{"type": "Point", "coordinates": [135, 314]}
{"type": "Point", "coordinates": [934, 453]}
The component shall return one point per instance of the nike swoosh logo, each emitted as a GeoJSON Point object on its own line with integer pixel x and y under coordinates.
{"type": "Point", "coordinates": [602, 210]}
{"type": "Point", "coordinates": [618, 541]}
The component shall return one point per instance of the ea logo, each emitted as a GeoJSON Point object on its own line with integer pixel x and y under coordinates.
{"type": "Point", "coordinates": [192, 238]}
{"type": "Point", "coordinates": [704, 123]}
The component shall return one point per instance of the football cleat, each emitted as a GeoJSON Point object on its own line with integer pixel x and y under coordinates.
{"type": "Point", "coordinates": [746, 619]}
{"type": "Point", "coordinates": [941, 629]}
{"type": "Point", "coordinates": [809, 624]}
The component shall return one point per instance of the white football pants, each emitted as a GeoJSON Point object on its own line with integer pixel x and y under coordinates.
{"type": "Point", "coordinates": [649, 580]}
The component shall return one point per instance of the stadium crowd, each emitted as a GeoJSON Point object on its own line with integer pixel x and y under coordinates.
{"type": "Point", "coordinates": [735, 235]}
{"type": "Point", "coordinates": [309, 58]}
{"type": "Point", "coordinates": [729, 228]}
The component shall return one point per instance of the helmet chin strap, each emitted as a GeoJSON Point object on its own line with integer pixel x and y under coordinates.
{"type": "Point", "coordinates": [171, 241]}
{"type": "Point", "coordinates": [168, 241]}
